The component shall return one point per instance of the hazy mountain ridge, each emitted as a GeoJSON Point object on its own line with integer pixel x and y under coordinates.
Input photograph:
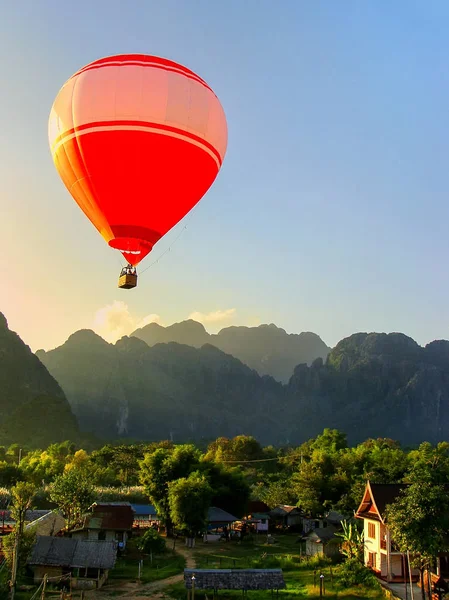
{"type": "Point", "coordinates": [371, 385]}
{"type": "Point", "coordinates": [168, 390]}
{"type": "Point", "coordinates": [33, 407]}
{"type": "Point", "coordinates": [268, 349]}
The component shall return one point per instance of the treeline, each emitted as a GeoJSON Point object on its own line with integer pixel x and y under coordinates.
{"type": "Point", "coordinates": [322, 473]}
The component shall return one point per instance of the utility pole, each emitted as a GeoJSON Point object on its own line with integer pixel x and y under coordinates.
{"type": "Point", "coordinates": [410, 574]}
{"type": "Point", "coordinates": [15, 564]}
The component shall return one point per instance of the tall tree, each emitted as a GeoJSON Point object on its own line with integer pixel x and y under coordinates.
{"type": "Point", "coordinates": [161, 467]}
{"type": "Point", "coordinates": [419, 518]}
{"type": "Point", "coordinates": [189, 499]}
{"type": "Point", "coordinates": [73, 492]}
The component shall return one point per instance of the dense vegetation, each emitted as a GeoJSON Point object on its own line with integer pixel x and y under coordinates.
{"type": "Point", "coordinates": [321, 474]}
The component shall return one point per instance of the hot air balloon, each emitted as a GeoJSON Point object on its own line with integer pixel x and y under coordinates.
{"type": "Point", "coordinates": [137, 140]}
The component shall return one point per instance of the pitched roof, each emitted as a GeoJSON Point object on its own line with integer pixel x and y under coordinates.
{"type": "Point", "coordinates": [284, 509]}
{"type": "Point", "coordinates": [335, 517]}
{"type": "Point", "coordinates": [376, 498]}
{"type": "Point", "coordinates": [69, 552]}
{"type": "Point", "coordinates": [49, 524]}
{"type": "Point", "coordinates": [322, 534]}
{"type": "Point", "coordinates": [218, 515]}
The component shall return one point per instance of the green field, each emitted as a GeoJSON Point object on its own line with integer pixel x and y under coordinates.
{"type": "Point", "coordinates": [163, 566]}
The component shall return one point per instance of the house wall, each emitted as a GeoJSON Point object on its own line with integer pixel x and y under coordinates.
{"type": "Point", "coordinates": [262, 525]}
{"type": "Point", "coordinates": [313, 548]}
{"type": "Point", "coordinates": [372, 544]}
{"type": "Point", "coordinates": [294, 520]}
{"type": "Point", "coordinates": [40, 570]}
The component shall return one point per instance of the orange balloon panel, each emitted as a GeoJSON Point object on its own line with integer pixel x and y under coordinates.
{"type": "Point", "coordinates": [137, 140]}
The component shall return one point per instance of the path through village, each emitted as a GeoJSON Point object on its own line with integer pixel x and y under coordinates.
{"type": "Point", "coordinates": [142, 591]}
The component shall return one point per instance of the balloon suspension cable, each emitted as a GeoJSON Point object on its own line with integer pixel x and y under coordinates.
{"type": "Point", "coordinates": [165, 251]}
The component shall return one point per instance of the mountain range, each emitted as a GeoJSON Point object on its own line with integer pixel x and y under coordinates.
{"type": "Point", "coordinates": [370, 385]}
{"type": "Point", "coordinates": [268, 349]}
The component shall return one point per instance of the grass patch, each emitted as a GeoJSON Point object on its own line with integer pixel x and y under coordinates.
{"type": "Point", "coordinates": [163, 566]}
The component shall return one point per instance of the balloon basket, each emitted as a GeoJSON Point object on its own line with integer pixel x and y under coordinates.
{"type": "Point", "coordinates": [127, 281]}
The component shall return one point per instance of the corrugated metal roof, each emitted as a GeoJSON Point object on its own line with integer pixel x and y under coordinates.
{"type": "Point", "coordinates": [144, 509]}
{"type": "Point", "coordinates": [69, 552]}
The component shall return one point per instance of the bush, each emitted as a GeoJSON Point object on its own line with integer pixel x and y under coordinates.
{"type": "Point", "coordinates": [151, 541]}
{"type": "Point", "coordinates": [352, 573]}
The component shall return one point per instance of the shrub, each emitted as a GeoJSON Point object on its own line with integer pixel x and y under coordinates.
{"type": "Point", "coordinates": [151, 541]}
{"type": "Point", "coordinates": [352, 573]}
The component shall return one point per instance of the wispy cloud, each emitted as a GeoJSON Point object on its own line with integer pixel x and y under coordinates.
{"type": "Point", "coordinates": [113, 321]}
{"type": "Point", "coordinates": [216, 316]}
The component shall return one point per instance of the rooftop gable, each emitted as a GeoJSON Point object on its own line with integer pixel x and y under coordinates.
{"type": "Point", "coordinates": [376, 498]}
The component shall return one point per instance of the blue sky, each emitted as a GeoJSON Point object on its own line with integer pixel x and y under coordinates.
{"type": "Point", "coordinates": [330, 213]}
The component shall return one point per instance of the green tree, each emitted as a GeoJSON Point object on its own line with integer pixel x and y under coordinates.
{"type": "Point", "coordinates": [161, 467]}
{"type": "Point", "coordinates": [26, 543]}
{"type": "Point", "coordinates": [189, 499]}
{"type": "Point", "coordinates": [73, 492]}
{"type": "Point", "coordinates": [151, 541]}
{"type": "Point", "coordinates": [230, 487]}
{"type": "Point", "coordinates": [22, 496]}
{"type": "Point", "coordinates": [418, 521]}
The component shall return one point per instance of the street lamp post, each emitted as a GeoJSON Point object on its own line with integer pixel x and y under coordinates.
{"type": "Point", "coordinates": [193, 586]}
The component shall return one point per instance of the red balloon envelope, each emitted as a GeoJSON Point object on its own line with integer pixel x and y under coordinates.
{"type": "Point", "coordinates": [137, 140]}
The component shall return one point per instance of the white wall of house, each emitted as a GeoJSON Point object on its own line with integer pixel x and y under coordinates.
{"type": "Point", "coordinates": [261, 525]}
{"type": "Point", "coordinates": [372, 544]}
{"type": "Point", "coordinates": [313, 548]}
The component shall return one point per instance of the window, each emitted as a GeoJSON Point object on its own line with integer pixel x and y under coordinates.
{"type": "Point", "coordinates": [102, 535]}
{"type": "Point", "coordinates": [372, 531]}
{"type": "Point", "coordinates": [371, 560]}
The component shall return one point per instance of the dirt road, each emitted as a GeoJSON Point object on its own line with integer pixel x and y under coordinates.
{"type": "Point", "coordinates": [142, 591]}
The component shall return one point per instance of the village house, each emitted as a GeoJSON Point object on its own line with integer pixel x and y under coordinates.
{"type": "Point", "coordinates": [322, 541]}
{"type": "Point", "coordinates": [84, 563]}
{"type": "Point", "coordinates": [380, 552]}
{"type": "Point", "coordinates": [106, 521]}
{"type": "Point", "coordinates": [285, 515]}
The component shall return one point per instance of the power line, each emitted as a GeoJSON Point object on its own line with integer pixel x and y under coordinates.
{"type": "Point", "coordinates": [249, 461]}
